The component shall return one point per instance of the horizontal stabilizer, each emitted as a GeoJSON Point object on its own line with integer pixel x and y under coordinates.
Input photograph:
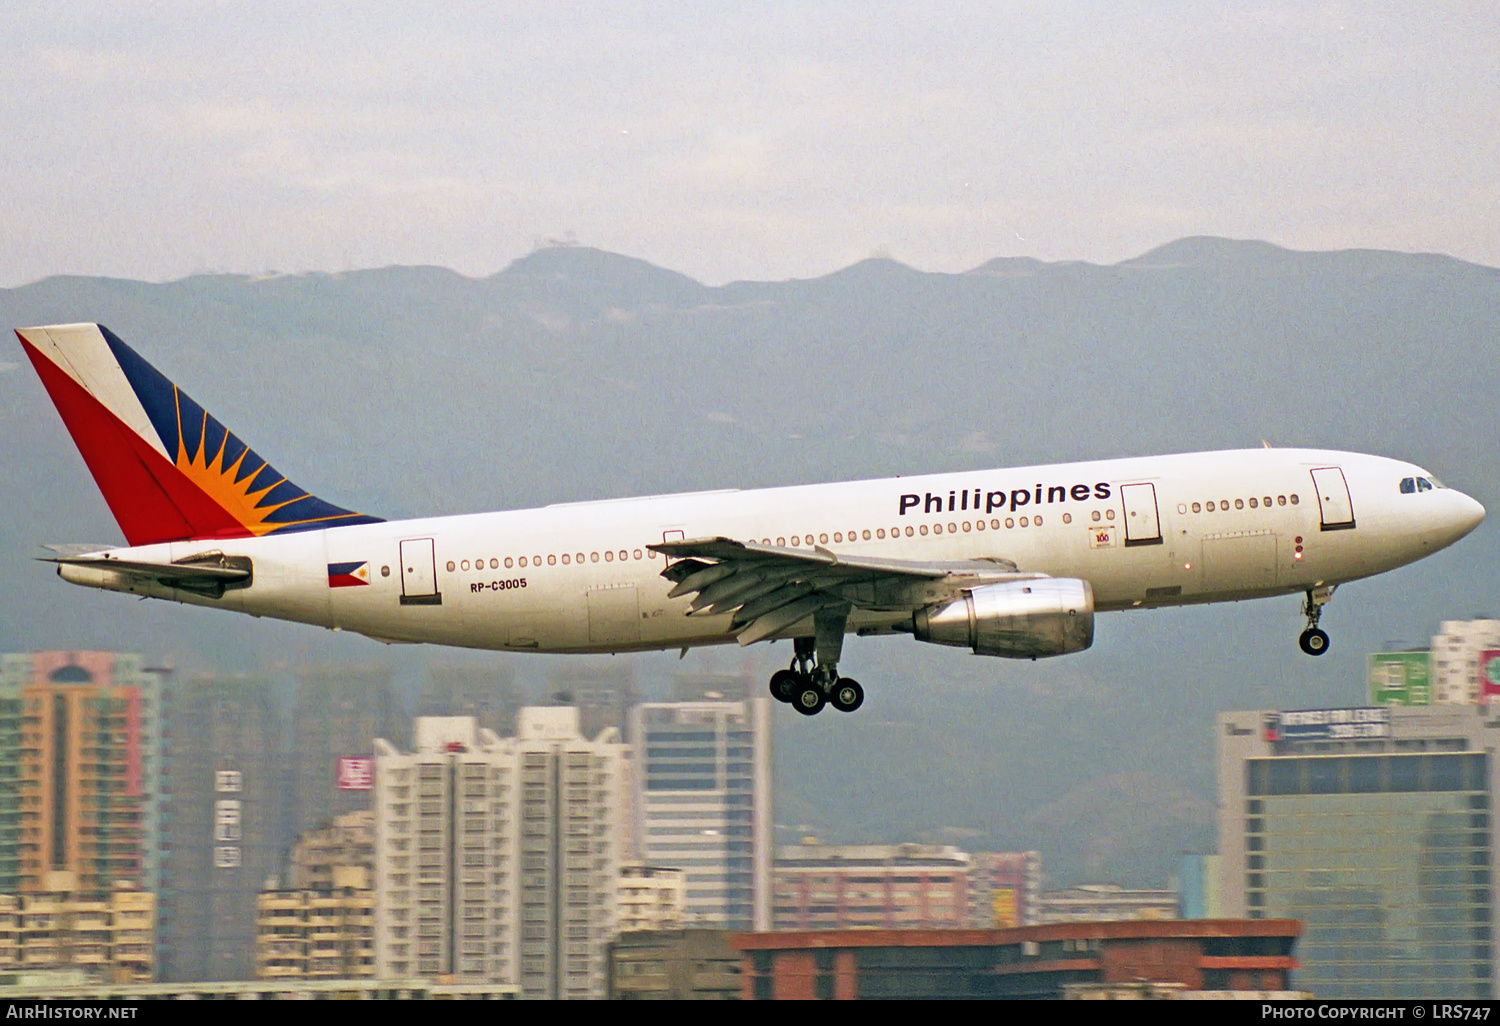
{"type": "Point", "coordinates": [210, 573]}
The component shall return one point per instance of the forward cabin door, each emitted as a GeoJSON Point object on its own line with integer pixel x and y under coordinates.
{"type": "Point", "coordinates": [1334, 504]}
{"type": "Point", "coordinates": [1142, 525]}
{"type": "Point", "coordinates": [419, 573]}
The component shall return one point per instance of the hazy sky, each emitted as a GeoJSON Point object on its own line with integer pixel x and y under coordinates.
{"type": "Point", "coordinates": [762, 140]}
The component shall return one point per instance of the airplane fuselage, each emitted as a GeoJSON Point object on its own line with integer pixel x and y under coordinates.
{"type": "Point", "coordinates": [1143, 532]}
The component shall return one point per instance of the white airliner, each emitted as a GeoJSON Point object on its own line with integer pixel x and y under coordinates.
{"type": "Point", "coordinates": [1009, 562]}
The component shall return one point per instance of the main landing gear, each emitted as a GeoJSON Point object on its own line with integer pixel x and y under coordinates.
{"type": "Point", "coordinates": [812, 681]}
{"type": "Point", "coordinates": [1313, 640]}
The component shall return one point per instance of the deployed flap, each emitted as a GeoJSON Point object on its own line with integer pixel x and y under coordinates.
{"type": "Point", "coordinates": [769, 589]}
{"type": "Point", "coordinates": [211, 572]}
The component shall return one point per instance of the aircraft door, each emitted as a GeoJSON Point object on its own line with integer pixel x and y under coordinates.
{"type": "Point", "coordinates": [1142, 525]}
{"type": "Point", "coordinates": [1334, 504]}
{"type": "Point", "coordinates": [419, 573]}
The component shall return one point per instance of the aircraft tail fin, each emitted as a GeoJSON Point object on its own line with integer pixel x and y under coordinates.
{"type": "Point", "coordinates": [168, 470]}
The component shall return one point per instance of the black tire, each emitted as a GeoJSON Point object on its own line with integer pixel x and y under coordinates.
{"type": "Point", "coordinates": [809, 700]}
{"type": "Point", "coordinates": [847, 695]}
{"type": "Point", "coordinates": [784, 685]}
{"type": "Point", "coordinates": [1313, 641]}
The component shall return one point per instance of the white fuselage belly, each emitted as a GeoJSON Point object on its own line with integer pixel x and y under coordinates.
{"type": "Point", "coordinates": [594, 603]}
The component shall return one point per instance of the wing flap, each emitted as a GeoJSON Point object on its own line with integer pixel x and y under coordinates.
{"type": "Point", "coordinates": [769, 589]}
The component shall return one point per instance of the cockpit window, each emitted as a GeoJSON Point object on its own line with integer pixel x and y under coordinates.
{"type": "Point", "coordinates": [1411, 485]}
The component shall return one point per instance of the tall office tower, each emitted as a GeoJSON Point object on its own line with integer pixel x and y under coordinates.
{"type": "Point", "coordinates": [1004, 887]}
{"type": "Point", "coordinates": [226, 827]}
{"type": "Point", "coordinates": [83, 776]}
{"type": "Point", "coordinates": [703, 802]}
{"type": "Point", "coordinates": [1374, 827]}
{"type": "Point", "coordinates": [496, 859]}
{"type": "Point", "coordinates": [1457, 650]}
{"type": "Point", "coordinates": [486, 692]}
{"type": "Point", "coordinates": [339, 713]}
{"type": "Point", "coordinates": [603, 695]}
{"type": "Point", "coordinates": [871, 886]}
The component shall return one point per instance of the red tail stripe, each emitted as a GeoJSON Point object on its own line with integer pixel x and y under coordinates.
{"type": "Point", "coordinates": [151, 499]}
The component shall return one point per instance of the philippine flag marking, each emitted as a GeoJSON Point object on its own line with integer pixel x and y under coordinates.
{"type": "Point", "coordinates": [349, 575]}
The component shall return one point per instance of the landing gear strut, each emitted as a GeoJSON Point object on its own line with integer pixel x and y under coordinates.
{"type": "Point", "coordinates": [812, 681]}
{"type": "Point", "coordinates": [1313, 640]}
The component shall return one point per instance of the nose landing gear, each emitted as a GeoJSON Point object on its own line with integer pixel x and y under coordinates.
{"type": "Point", "coordinates": [1314, 641]}
{"type": "Point", "coordinates": [812, 681]}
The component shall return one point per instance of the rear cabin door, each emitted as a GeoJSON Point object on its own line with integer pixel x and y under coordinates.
{"type": "Point", "coordinates": [1334, 504]}
{"type": "Point", "coordinates": [1142, 525]}
{"type": "Point", "coordinates": [419, 573]}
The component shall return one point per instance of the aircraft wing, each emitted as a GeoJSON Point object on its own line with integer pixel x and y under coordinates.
{"type": "Point", "coordinates": [768, 588]}
{"type": "Point", "coordinates": [210, 572]}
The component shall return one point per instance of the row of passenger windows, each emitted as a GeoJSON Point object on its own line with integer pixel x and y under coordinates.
{"type": "Point", "coordinates": [1223, 504]}
{"type": "Point", "coordinates": [796, 541]}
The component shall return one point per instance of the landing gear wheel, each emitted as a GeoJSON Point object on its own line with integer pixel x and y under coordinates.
{"type": "Point", "coordinates": [847, 695]}
{"type": "Point", "coordinates": [809, 700]}
{"type": "Point", "coordinates": [1313, 641]}
{"type": "Point", "coordinates": [784, 685]}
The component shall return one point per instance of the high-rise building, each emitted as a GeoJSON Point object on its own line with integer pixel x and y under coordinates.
{"type": "Point", "coordinates": [487, 692]}
{"type": "Point", "coordinates": [80, 740]}
{"type": "Point", "coordinates": [340, 711]}
{"type": "Point", "coordinates": [1456, 653]}
{"type": "Point", "coordinates": [603, 694]}
{"type": "Point", "coordinates": [226, 829]}
{"type": "Point", "coordinates": [1374, 827]}
{"type": "Point", "coordinates": [871, 886]}
{"type": "Point", "coordinates": [703, 804]}
{"type": "Point", "coordinates": [1004, 887]}
{"type": "Point", "coordinates": [326, 931]}
{"type": "Point", "coordinates": [496, 859]}
{"type": "Point", "coordinates": [349, 840]}
{"type": "Point", "coordinates": [106, 936]}
{"type": "Point", "coordinates": [650, 898]}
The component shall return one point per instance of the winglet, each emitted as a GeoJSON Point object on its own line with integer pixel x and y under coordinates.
{"type": "Point", "coordinates": [168, 470]}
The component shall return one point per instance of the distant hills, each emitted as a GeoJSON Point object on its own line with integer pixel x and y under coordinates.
{"type": "Point", "coordinates": [575, 373]}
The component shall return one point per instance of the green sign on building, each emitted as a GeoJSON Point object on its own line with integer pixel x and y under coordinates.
{"type": "Point", "coordinates": [1401, 678]}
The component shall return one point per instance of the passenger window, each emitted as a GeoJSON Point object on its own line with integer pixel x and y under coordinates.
{"type": "Point", "coordinates": [1037, 521]}
{"type": "Point", "coordinates": [567, 559]}
{"type": "Point", "coordinates": [1068, 517]}
{"type": "Point", "coordinates": [1281, 500]}
{"type": "Point", "coordinates": [450, 566]}
{"type": "Point", "coordinates": [593, 557]}
{"type": "Point", "coordinates": [1239, 503]}
{"type": "Point", "coordinates": [1408, 485]}
{"type": "Point", "coordinates": [979, 525]}
{"type": "Point", "coordinates": [952, 528]}
{"type": "Point", "coordinates": [552, 560]}
{"type": "Point", "coordinates": [609, 557]}
{"type": "Point", "coordinates": [866, 535]}
{"type": "Point", "coordinates": [838, 536]}
{"type": "Point", "coordinates": [782, 541]}
{"type": "Point", "coordinates": [796, 541]}
{"type": "Point", "coordinates": [879, 533]}
{"type": "Point", "coordinates": [1294, 498]}
{"type": "Point", "coordinates": [523, 562]}
{"type": "Point", "coordinates": [923, 528]}
{"type": "Point", "coordinates": [465, 564]}
{"type": "Point", "coordinates": [1212, 506]}
{"type": "Point", "coordinates": [1109, 514]}
{"type": "Point", "coordinates": [637, 553]}
{"type": "Point", "coordinates": [995, 524]}
{"type": "Point", "coordinates": [1254, 502]}
{"type": "Point", "coordinates": [822, 540]}
{"type": "Point", "coordinates": [937, 528]}
{"type": "Point", "coordinates": [1095, 515]}
{"type": "Point", "coordinates": [1224, 505]}
{"type": "Point", "coordinates": [1010, 522]}
{"type": "Point", "coordinates": [1181, 508]}
{"type": "Point", "coordinates": [1266, 502]}
{"type": "Point", "coordinates": [1024, 523]}
{"type": "Point", "coordinates": [1197, 507]}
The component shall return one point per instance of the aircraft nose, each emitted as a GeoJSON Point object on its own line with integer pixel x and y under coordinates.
{"type": "Point", "coordinates": [1467, 515]}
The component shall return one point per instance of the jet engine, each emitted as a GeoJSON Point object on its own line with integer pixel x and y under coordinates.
{"type": "Point", "coordinates": [1020, 620]}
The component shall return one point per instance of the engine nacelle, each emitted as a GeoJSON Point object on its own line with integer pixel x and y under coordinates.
{"type": "Point", "coordinates": [1019, 620]}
